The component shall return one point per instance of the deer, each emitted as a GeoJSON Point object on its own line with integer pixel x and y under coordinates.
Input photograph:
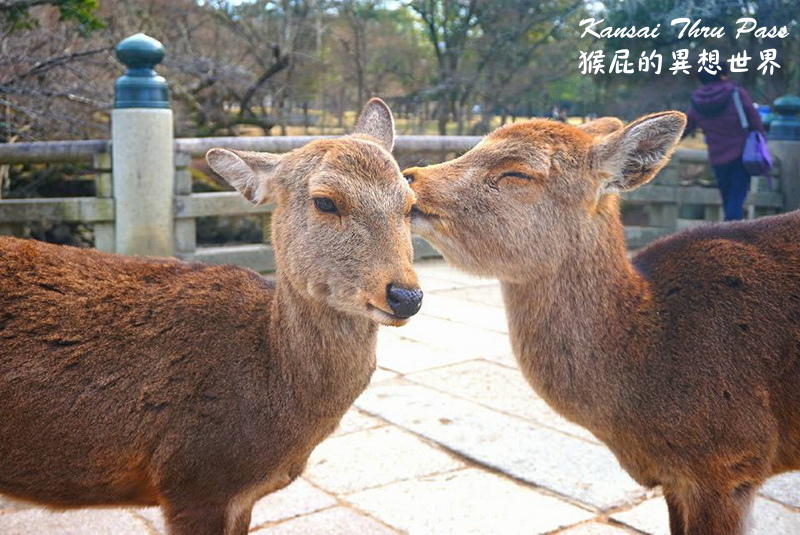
{"type": "Point", "coordinates": [684, 359]}
{"type": "Point", "coordinates": [201, 388]}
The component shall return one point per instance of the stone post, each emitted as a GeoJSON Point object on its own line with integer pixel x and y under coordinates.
{"type": "Point", "coordinates": [104, 233]}
{"type": "Point", "coordinates": [142, 152]}
{"type": "Point", "coordinates": [185, 228]}
{"type": "Point", "coordinates": [784, 144]}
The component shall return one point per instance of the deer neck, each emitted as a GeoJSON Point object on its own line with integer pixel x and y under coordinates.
{"type": "Point", "coordinates": [569, 327]}
{"type": "Point", "coordinates": [324, 357]}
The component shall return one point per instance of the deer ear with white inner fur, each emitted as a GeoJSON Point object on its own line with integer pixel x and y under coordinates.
{"type": "Point", "coordinates": [250, 173]}
{"type": "Point", "coordinates": [632, 156]}
{"type": "Point", "coordinates": [376, 121]}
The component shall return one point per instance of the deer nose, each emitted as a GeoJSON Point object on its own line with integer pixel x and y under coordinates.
{"type": "Point", "coordinates": [404, 302]}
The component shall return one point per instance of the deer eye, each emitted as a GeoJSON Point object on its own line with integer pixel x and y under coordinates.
{"type": "Point", "coordinates": [325, 205]}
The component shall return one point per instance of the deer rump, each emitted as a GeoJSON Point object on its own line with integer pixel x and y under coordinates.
{"type": "Point", "coordinates": [101, 372]}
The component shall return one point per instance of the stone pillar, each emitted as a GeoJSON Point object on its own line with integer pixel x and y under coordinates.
{"type": "Point", "coordinates": [142, 152]}
{"type": "Point", "coordinates": [784, 145]}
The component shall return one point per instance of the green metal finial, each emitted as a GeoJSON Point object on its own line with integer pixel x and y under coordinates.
{"type": "Point", "coordinates": [140, 87]}
{"type": "Point", "coordinates": [786, 125]}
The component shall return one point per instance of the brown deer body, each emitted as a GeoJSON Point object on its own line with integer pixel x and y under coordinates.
{"type": "Point", "coordinates": [202, 388]}
{"type": "Point", "coordinates": [684, 360]}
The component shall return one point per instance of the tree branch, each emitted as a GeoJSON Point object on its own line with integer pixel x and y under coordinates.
{"type": "Point", "coordinates": [282, 62]}
{"type": "Point", "coordinates": [57, 61]}
{"type": "Point", "coordinates": [8, 5]}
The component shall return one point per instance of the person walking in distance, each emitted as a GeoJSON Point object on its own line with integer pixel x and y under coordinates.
{"type": "Point", "coordinates": [713, 110]}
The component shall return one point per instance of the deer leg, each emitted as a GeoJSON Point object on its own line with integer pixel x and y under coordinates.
{"type": "Point", "coordinates": [239, 522]}
{"type": "Point", "coordinates": [207, 519]}
{"type": "Point", "coordinates": [711, 512]}
{"type": "Point", "coordinates": [677, 520]}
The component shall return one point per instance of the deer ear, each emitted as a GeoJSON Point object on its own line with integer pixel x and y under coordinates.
{"type": "Point", "coordinates": [376, 120]}
{"type": "Point", "coordinates": [631, 157]}
{"type": "Point", "coordinates": [250, 173]}
{"type": "Point", "coordinates": [603, 125]}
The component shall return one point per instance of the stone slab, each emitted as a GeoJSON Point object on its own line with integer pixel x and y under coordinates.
{"type": "Point", "coordinates": [467, 502]}
{"type": "Point", "coordinates": [382, 374]}
{"type": "Point", "coordinates": [583, 471]}
{"type": "Point", "coordinates": [355, 420]}
{"type": "Point", "coordinates": [336, 521]}
{"type": "Point", "coordinates": [41, 521]}
{"type": "Point", "coordinates": [595, 528]}
{"type": "Point", "coordinates": [404, 356]}
{"type": "Point", "coordinates": [771, 518]}
{"type": "Point", "coordinates": [498, 388]}
{"type": "Point", "coordinates": [649, 517]}
{"type": "Point", "coordinates": [299, 498]}
{"type": "Point", "coordinates": [784, 488]}
{"type": "Point", "coordinates": [464, 312]}
{"type": "Point", "coordinates": [488, 295]}
{"type": "Point", "coordinates": [465, 342]}
{"type": "Point", "coordinates": [506, 359]}
{"type": "Point", "coordinates": [375, 457]}
{"type": "Point", "coordinates": [437, 275]}
{"type": "Point", "coordinates": [9, 504]}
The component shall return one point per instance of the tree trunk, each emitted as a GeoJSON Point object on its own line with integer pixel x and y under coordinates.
{"type": "Point", "coordinates": [340, 122]}
{"type": "Point", "coordinates": [442, 114]}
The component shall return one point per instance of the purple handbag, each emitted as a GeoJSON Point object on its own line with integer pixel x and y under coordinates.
{"type": "Point", "coordinates": [755, 156]}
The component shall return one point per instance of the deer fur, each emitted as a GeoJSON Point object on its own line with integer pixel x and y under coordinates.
{"type": "Point", "coordinates": [684, 359]}
{"type": "Point", "coordinates": [139, 381]}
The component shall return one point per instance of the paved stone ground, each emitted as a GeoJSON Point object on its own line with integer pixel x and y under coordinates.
{"type": "Point", "coordinates": [448, 439]}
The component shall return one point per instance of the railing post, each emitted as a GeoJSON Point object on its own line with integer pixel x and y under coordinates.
{"type": "Point", "coordinates": [185, 228]}
{"type": "Point", "coordinates": [103, 232]}
{"type": "Point", "coordinates": [142, 152]}
{"type": "Point", "coordinates": [784, 144]}
{"type": "Point", "coordinates": [663, 214]}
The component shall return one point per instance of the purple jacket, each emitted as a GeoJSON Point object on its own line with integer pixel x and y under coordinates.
{"type": "Point", "coordinates": [714, 111]}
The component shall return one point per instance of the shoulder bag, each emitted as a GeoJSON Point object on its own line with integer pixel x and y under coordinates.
{"type": "Point", "coordinates": [755, 156]}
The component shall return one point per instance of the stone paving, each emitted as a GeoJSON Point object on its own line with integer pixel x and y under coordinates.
{"type": "Point", "coordinates": [448, 439]}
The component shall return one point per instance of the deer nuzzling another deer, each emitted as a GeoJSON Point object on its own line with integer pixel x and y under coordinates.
{"type": "Point", "coordinates": [685, 359]}
{"type": "Point", "coordinates": [202, 388]}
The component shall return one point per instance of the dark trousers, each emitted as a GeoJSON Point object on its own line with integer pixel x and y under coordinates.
{"type": "Point", "coordinates": [733, 182]}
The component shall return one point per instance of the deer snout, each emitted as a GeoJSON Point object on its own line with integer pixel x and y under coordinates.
{"type": "Point", "coordinates": [404, 302]}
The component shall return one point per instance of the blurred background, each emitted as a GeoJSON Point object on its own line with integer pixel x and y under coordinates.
{"type": "Point", "coordinates": [295, 67]}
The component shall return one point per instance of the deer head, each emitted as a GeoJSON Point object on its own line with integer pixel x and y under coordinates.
{"type": "Point", "coordinates": [341, 226]}
{"type": "Point", "coordinates": [529, 192]}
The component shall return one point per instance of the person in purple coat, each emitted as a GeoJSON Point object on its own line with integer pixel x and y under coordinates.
{"type": "Point", "coordinates": [714, 112]}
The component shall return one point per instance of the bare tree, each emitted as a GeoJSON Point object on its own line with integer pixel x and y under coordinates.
{"type": "Point", "coordinates": [449, 26]}
{"type": "Point", "coordinates": [48, 57]}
